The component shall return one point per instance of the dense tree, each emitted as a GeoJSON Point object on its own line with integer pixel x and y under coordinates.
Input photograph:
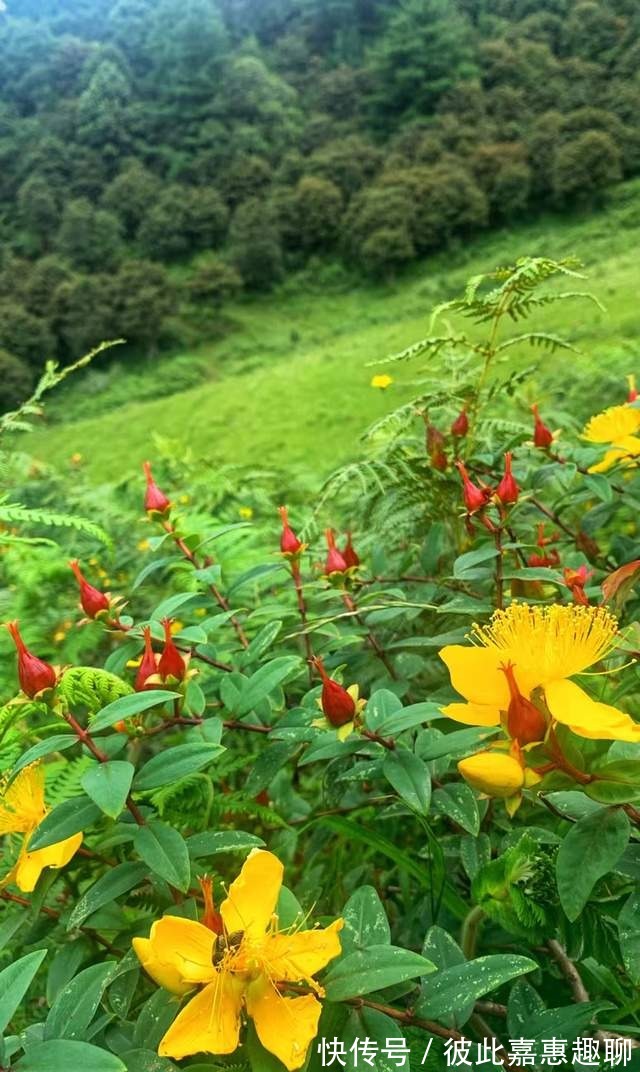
{"type": "Point", "coordinates": [142, 298]}
{"type": "Point", "coordinates": [16, 381]}
{"type": "Point", "coordinates": [130, 194]}
{"type": "Point", "coordinates": [584, 167]}
{"type": "Point", "coordinates": [213, 282]}
{"type": "Point", "coordinates": [88, 237]}
{"type": "Point", "coordinates": [38, 210]}
{"type": "Point", "coordinates": [26, 336]}
{"type": "Point", "coordinates": [373, 130]}
{"type": "Point", "coordinates": [426, 49]}
{"type": "Point", "coordinates": [255, 245]}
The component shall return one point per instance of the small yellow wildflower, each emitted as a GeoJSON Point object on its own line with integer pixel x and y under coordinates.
{"type": "Point", "coordinates": [382, 380]}
{"type": "Point", "coordinates": [247, 966]}
{"type": "Point", "coordinates": [143, 545]}
{"type": "Point", "coordinates": [246, 513]}
{"type": "Point", "coordinates": [22, 809]}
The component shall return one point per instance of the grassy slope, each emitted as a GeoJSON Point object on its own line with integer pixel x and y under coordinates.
{"type": "Point", "coordinates": [296, 389]}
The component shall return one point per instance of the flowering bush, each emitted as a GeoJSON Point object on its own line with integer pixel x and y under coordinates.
{"type": "Point", "coordinates": [427, 729]}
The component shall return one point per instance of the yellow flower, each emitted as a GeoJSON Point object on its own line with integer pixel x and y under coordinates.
{"type": "Point", "coordinates": [246, 513]}
{"type": "Point", "coordinates": [500, 774]}
{"type": "Point", "coordinates": [22, 809]}
{"type": "Point", "coordinates": [540, 649]}
{"type": "Point", "coordinates": [248, 965]}
{"type": "Point", "coordinates": [382, 381]}
{"type": "Point", "coordinates": [496, 774]}
{"type": "Point", "coordinates": [617, 426]}
{"type": "Point", "coordinates": [144, 545]}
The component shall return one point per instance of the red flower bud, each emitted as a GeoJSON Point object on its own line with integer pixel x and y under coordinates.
{"type": "Point", "coordinates": [474, 497]}
{"type": "Point", "coordinates": [542, 436]}
{"type": "Point", "coordinates": [211, 918]}
{"type": "Point", "coordinates": [633, 390]}
{"type": "Point", "coordinates": [171, 664]}
{"type": "Point", "coordinates": [289, 542]}
{"type": "Point", "coordinates": [460, 426]}
{"type": "Point", "coordinates": [508, 490]}
{"type": "Point", "coordinates": [34, 674]}
{"type": "Point", "coordinates": [435, 447]}
{"type": "Point", "coordinates": [525, 723]}
{"type": "Point", "coordinates": [155, 501]}
{"type": "Point", "coordinates": [350, 555]}
{"type": "Point", "coordinates": [575, 580]}
{"type": "Point", "coordinates": [92, 600]}
{"type": "Point", "coordinates": [335, 559]}
{"type": "Point", "coordinates": [337, 705]}
{"type": "Point", "coordinates": [147, 665]}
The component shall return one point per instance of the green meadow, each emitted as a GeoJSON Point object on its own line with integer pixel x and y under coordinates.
{"type": "Point", "coordinates": [288, 381]}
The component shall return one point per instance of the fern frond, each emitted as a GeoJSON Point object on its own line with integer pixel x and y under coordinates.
{"type": "Point", "coordinates": [15, 513]}
{"type": "Point", "coordinates": [542, 339]}
{"type": "Point", "coordinates": [90, 687]}
{"type": "Point", "coordinates": [64, 779]}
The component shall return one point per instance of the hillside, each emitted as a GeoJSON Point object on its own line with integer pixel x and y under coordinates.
{"type": "Point", "coordinates": [162, 157]}
{"type": "Point", "coordinates": [296, 363]}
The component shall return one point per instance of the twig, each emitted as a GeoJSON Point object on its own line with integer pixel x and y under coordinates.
{"type": "Point", "coordinates": [371, 639]}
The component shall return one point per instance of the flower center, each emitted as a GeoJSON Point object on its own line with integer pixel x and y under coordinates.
{"type": "Point", "coordinates": [550, 643]}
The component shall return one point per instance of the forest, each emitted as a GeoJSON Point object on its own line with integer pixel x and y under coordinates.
{"type": "Point", "coordinates": [319, 538]}
{"type": "Point", "coordinates": [159, 157]}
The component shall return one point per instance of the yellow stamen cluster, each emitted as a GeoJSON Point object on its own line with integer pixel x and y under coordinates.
{"type": "Point", "coordinates": [553, 641]}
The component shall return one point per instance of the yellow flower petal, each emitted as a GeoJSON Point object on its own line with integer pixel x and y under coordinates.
{"type": "Point", "coordinates": [473, 714]}
{"type": "Point", "coordinates": [571, 705]}
{"type": "Point", "coordinates": [22, 807]}
{"type": "Point", "coordinates": [252, 897]}
{"type": "Point", "coordinates": [612, 424]}
{"type": "Point", "coordinates": [285, 1026]}
{"type": "Point", "coordinates": [475, 673]}
{"type": "Point", "coordinates": [495, 773]}
{"type": "Point", "coordinates": [178, 953]}
{"type": "Point", "coordinates": [30, 865]}
{"type": "Point", "coordinates": [298, 956]}
{"type": "Point", "coordinates": [210, 1023]}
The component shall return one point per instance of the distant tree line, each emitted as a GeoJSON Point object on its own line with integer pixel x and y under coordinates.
{"type": "Point", "coordinates": [156, 156]}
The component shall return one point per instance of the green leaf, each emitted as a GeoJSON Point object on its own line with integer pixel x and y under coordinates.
{"type": "Point", "coordinates": [590, 850]}
{"type": "Point", "coordinates": [455, 987]}
{"type": "Point", "coordinates": [108, 785]}
{"type": "Point", "coordinates": [373, 968]}
{"type": "Point", "coordinates": [62, 1055]}
{"type": "Point", "coordinates": [629, 935]}
{"type": "Point", "coordinates": [133, 704]}
{"type": "Point", "coordinates": [404, 861]}
{"type": "Point", "coordinates": [76, 1004]}
{"type": "Point", "coordinates": [67, 819]}
{"type": "Point", "coordinates": [468, 561]}
{"type": "Point", "coordinates": [365, 921]}
{"type": "Point", "coordinates": [381, 706]}
{"type": "Point", "coordinates": [15, 980]}
{"type": "Point", "coordinates": [264, 681]}
{"type": "Point", "coordinates": [58, 743]}
{"type": "Point", "coordinates": [175, 764]}
{"type": "Point", "coordinates": [267, 766]}
{"type": "Point", "coordinates": [409, 777]}
{"type": "Point", "coordinates": [445, 952]}
{"type": "Point", "coordinates": [458, 803]}
{"type": "Point", "coordinates": [148, 1061]}
{"type": "Point", "coordinates": [164, 850]}
{"type": "Point", "coordinates": [212, 842]}
{"type": "Point", "coordinates": [460, 742]}
{"type": "Point", "coordinates": [118, 880]}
